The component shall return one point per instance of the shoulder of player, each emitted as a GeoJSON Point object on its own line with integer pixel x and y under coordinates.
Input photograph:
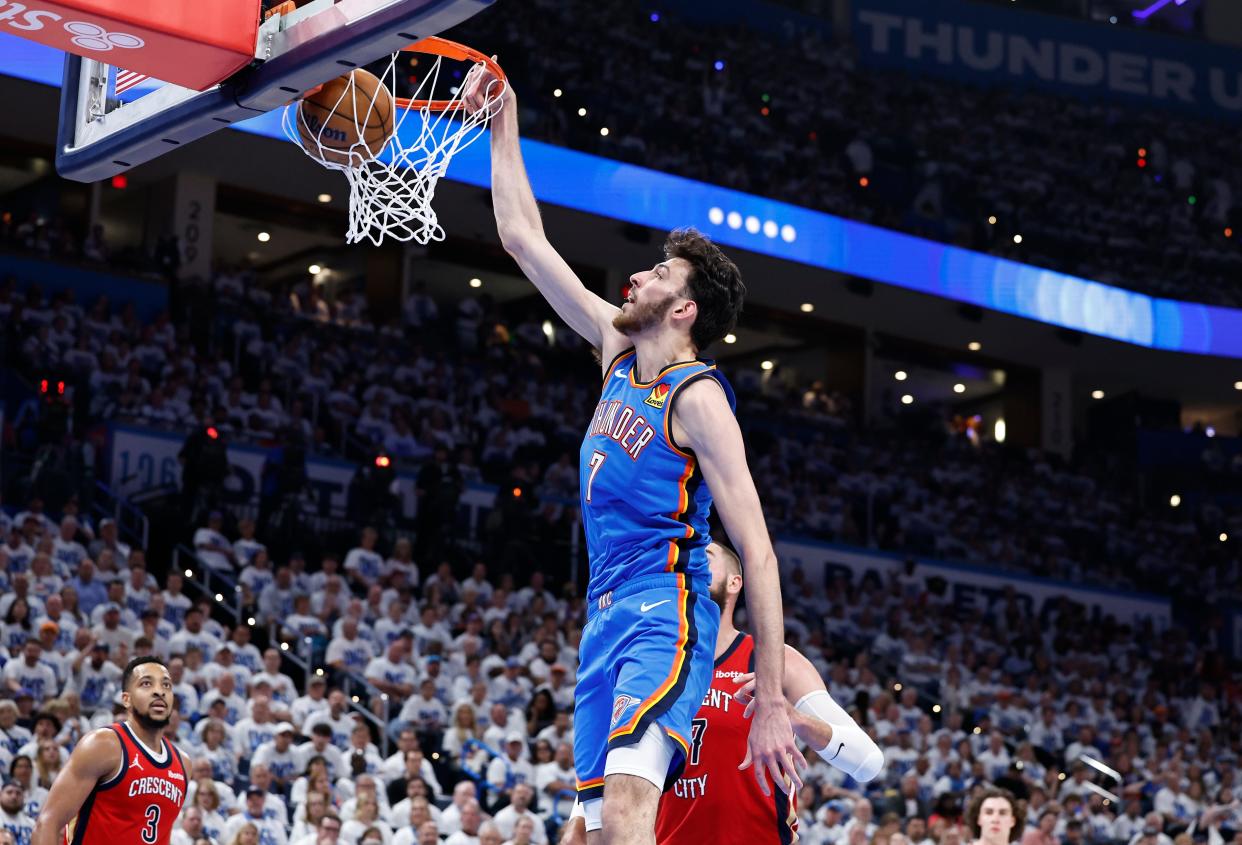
{"type": "Point", "coordinates": [99, 751]}
{"type": "Point", "coordinates": [699, 407]}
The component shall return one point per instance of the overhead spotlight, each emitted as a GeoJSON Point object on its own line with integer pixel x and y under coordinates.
{"type": "Point", "coordinates": [896, 687]}
{"type": "Point", "coordinates": [581, 112]}
{"type": "Point", "coordinates": [935, 708]}
{"type": "Point", "coordinates": [807, 307]}
{"type": "Point", "coordinates": [992, 220]}
{"type": "Point", "coordinates": [959, 388]}
{"type": "Point", "coordinates": [901, 375]}
{"type": "Point", "coordinates": [730, 338]}
{"type": "Point", "coordinates": [907, 399]}
{"type": "Point", "coordinates": [766, 365]}
{"type": "Point", "coordinates": [1097, 394]}
{"type": "Point", "coordinates": [314, 269]}
{"type": "Point", "coordinates": [1237, 385]}
{"type": "Point", "coordinates": [1017, 239]}
{"type": "Point", "coordinates": [557, 92]}
{"type": "Point", "coordinates": [1224, 538]}
{"type": "Point", "coordinates": [263, 237]}
{"type": "Point", "coordinates": [603, 130]}
{"type": "Point", "coordinates": [1175, 501]}
{"type": "Point", "coordinates": [974, 346]}
{"type": "Point", "coordinates": [219, 597]}
{"type": "Point", "coordinates": [476, 283]}
{"type": "Point", "coordinates": [999, 431]}
{"type": "Point", "coordinates": [189, 573]}
{"type": "Point", "coordinates": [324, 198]}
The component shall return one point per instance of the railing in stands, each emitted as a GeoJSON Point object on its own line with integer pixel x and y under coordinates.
{"type": "Point", "coordinates": [131, 522]}
{"type": "Point", "coordinates": [216, 585]}
{"type": "Point", "coordinates": [354, 688]}
{"type": "Point", "coordinates": [480, 777]}
{"type": "Point", "coordinates": [557, 797]}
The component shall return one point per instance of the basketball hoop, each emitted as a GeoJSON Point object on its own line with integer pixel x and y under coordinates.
{"type": "Point", "coordinates": [393, 176]}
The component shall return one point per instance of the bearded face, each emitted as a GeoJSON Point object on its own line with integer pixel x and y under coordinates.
{"type": "Point", "coordinates": [637, 317]}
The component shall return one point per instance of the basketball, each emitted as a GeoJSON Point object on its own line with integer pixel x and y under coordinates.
{"type": "Point", "coordinates": [348, 120]}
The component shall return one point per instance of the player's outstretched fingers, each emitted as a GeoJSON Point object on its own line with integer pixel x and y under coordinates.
{"type": "Point", "coordinates": [746, 692]}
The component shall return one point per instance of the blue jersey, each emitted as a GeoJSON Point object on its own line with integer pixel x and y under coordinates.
{"type": "Point", "coordinates": [644, 506]}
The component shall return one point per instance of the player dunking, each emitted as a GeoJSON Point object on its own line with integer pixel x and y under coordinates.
{"type": "Point", "coordinates": [713, 801]}
{"type": "Point", "coordinates": [664, 426]}
{"type": "Point", "coordinates": [124, 783]}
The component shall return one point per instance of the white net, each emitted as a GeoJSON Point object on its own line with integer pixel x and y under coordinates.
{"type": "Point", "coordinates": [393, 154]}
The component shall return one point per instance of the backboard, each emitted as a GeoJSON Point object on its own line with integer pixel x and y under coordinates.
{"type": "Point", "coordinates": [113, 118]}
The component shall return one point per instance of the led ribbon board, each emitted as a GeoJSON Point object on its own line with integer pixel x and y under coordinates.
{"type": "Point", "coordinates": [638, 195]}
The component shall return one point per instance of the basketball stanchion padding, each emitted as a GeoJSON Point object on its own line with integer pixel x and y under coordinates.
{"type": "Point", "coordinates": [392, 149]}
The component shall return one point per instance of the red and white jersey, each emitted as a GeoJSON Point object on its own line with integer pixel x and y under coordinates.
{"type": "Point", "coordinates": [712, 801]}
{"type": "Point", "coordinates": [139, 804]}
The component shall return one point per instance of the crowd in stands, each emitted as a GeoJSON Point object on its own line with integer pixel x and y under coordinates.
{"type": "Point", "coordinates": [467, 394]}
{"type": "Point", "coordinates": [462, 728]}
{"type": "Point", "coordinates": [798, 118]}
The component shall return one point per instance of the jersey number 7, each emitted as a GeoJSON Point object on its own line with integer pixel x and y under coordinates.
{"type": "Point", "coordinates": [597, 461]}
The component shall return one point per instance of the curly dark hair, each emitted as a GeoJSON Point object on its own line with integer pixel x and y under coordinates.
{"type": "Point", "coordinates": [976, 805]}
{"type": "Point", "coordinates": [715, 285]}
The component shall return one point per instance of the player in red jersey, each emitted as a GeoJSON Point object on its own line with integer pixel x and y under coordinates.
{"type": "Point", "coordinates": [124, 783]}
{"type": "Point", "coordinates": [713, 800]}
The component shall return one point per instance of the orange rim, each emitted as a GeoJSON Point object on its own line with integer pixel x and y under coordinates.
{"type": "Point", "coordinates": [449, 50]}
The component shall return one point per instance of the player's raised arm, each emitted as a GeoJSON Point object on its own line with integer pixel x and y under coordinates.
{"type": "Point", "coordinates": [704, 422]}
{"type": "Point", "coordinates": [96, 757]}
{"type": "Point", "coordinates": [522, 235]}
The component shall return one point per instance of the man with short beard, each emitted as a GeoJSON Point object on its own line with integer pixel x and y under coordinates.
{"type": "Point", "coordinates": [125, 782]}
{"type": "Point", "coordinates": [12, 817]}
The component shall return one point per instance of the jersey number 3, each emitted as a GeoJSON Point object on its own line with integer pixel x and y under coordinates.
{"type": "Point", "coordinates": [151, 832]}
{"type": "Point", "coordinates": [597, 461]}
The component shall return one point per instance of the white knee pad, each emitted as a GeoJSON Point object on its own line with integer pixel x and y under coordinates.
{"type": "Point", "coordinates": [649, 758]}
{"type": "Point", "coordinates": [850, 750]}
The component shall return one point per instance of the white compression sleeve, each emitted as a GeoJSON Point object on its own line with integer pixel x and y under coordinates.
{"type": "Point", "coordinates": [850, 750]}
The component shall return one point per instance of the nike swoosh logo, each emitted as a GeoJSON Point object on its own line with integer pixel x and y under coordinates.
{"type": "Point", "coordinates": [619, 374]}
{"type": "Point", "coordinates": [644, 607]}
{"type": "Point", "coordinates": [838, 754]}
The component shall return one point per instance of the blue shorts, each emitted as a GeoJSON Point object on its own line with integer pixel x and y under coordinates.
{"type": "Point", "coordinates": [646, 657]}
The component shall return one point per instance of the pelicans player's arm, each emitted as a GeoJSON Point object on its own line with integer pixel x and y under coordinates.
{"type": "Point", "coordinates": [97, 757]}
{"type": "Point", "coordinates": [819, 722]}
{"type": "Point", "coordinates": [522, 236]}
{"type": "Point", "coordinates": [702, 421]}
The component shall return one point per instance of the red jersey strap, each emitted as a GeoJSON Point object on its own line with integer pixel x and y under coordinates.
{"type": "Point", "coordinates": [120, 774]}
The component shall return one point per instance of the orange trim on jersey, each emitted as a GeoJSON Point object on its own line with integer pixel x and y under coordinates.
{"type": "Point", "coordinates": [680, 740]}
{"type": "Point", "coordinates": [683, 504]}
{"type": "Point", "coordinates": [663, 372]}
{"type": "Point", "coordinates": [587, 784]}
{"type": "Point", "coordinates": [683, 635]}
